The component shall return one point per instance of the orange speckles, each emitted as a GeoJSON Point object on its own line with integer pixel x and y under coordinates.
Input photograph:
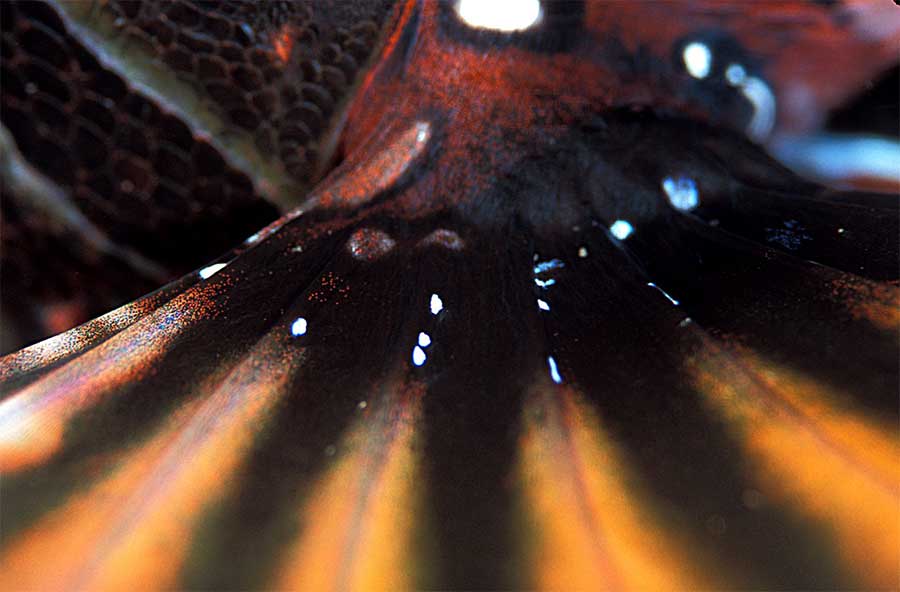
{"type": "Point", "coordinates": [283, 43]}
{"type": "Point", "coordinates": [369, 244]}
{"type": "Point", "coordinates": [382, 166]}
{"type": "Point", "coordinates": [332, 287]}
{"type": "Point", "coordinates": [445, 238]}
{"type": "Point", "coordinates": [80, 338]}
{"type": "Point", "coordinates": [32, 421]}
{"type": "Point", "coordinates": [482, 98]}
{"type": "Point", "coordinates": [359, 518]}
{"type": "Point", "coordinates": [827, 463]}
{"type": "Point", "coordinates": [589, 531]}
{"type": "Point", "coordinates": [131, 530]}
{"type": "Point", "coordinates": [877, 303]}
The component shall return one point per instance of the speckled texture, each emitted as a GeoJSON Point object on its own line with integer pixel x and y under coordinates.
{"type": "Point", "coordinates": [449, 368]}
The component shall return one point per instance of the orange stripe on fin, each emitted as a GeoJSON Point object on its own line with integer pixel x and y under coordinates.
{"type": "Point", "coordinates": [132, 530]}
{"type": "Point", "coordinates": [358, 522]}
{"type": "Point", "coordinates": [829, 464]}
{"type": "Point", "coordinates": [33, 421]}
{"type": "Point", "coordinates": [589, 530]}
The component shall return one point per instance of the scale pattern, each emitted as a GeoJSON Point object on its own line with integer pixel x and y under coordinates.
{"type": "Point", "coordinates": [279, 72]}
{"type": "Point", "coordinates": [134, 169]}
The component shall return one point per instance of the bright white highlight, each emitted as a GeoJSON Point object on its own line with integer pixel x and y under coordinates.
{"type": "Point", "coordinates": [500, 15]}
{"type": "Point", "coordinates": [544, 283]}
{"type": "Point", "coordinates": [681, 192]}
{"type": "Point", "coordinates": [697, 59]}
{"type": "Point", "coordinates": [424, 339]}
{"type": "Point", "coordinates": [543, 305]}
{"type": "Point", "coordinates": [554, 371]}
{"type": "Point", "coordinates": [436, 305]}
{"type": "Point", "coordinates": [621, 229]}
{"type": "Point", "coordinates": [582, 252]}
{"type": "Point", "coordinates": [298, 327]}
{"type": "Point", "coordinates": [208, 272]}
{"type": "Point", "coordinates": [418, 356]}
{"type": "Point", "coordinates": [664, 293]}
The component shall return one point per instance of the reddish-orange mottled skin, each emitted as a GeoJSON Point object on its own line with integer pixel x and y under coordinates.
{"type": "Point", "coordinates": [489, 106]}
{"type": "Point", "coordinates": [483, 103]}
